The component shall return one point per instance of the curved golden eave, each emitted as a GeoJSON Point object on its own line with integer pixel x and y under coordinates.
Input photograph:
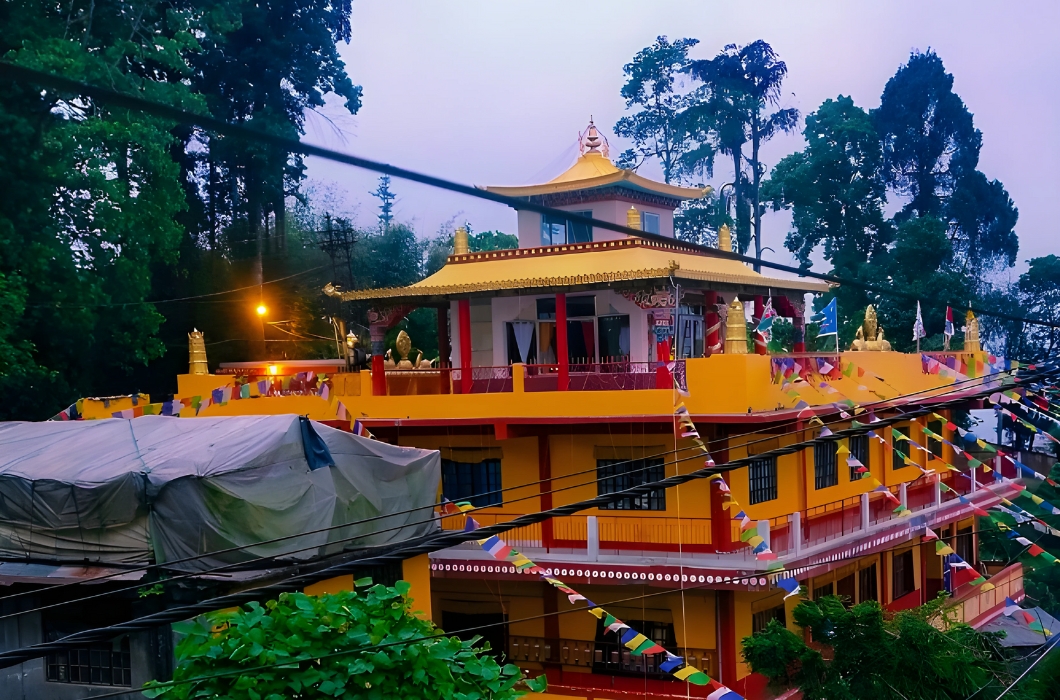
{"type": "Point", "coordinates": [539, 270]}
{"type": "Point", "coordinates": [593, 170]}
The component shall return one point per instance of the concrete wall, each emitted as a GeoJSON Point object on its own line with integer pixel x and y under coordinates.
{"type": "Point", "coordinates": [151, 657]}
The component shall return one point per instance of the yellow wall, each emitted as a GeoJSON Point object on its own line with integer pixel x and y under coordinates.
{"type": "Point", "coordinates": [720, 384]}
{"type": "Point", "coordinates": [105, 408]}
{"type": "Point", "coordinates": [416, 571]}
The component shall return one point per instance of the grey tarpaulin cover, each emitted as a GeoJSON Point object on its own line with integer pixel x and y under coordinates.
{"type": "Point", "coordinates": [160, 489]}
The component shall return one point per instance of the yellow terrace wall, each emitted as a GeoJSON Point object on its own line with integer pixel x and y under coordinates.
{"type": "Point", "coordinates": [719, 385]}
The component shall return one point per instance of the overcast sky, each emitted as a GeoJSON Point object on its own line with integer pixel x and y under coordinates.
{"type": "Point", "coordinates": [494, 93]}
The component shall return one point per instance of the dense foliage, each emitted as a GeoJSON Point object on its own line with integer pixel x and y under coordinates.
{"type": "Point", "coordinates": [364, 644]}
{"type": "Point", "coordinates": [859, 652]}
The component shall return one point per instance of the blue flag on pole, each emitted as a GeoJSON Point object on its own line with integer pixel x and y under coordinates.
{"type": "Point", "coordinates": [827, 317]}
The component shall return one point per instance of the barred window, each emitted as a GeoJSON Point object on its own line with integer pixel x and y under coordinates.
{"type": "Point", "coordinates": [934, 444]}
{"type": "Point", "coordinates": [98, 664]}
{"type": "Point", "coordinates": [759, 620]}
{"type": "Point", "coordinates": [898, 449]}
{"type": "Point", "coordinates": [902, 578]}
{"type": "Point", "coordinates": [867, 584]}
{"type": "Point", "coordinates": [762, 477]}
{"type": "Point", "coordinates": [477, 482]}
{"type": "Point", "coordinates": [615, 475]}
{"type": "Point", "coordinates": [825, 471]}
{"type": "Point", "coordinates": [859, 450]}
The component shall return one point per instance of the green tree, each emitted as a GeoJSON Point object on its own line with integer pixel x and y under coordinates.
{"type": "Point", "coordinates": [363, 644]}
{"type": "Point", "coordinates": [91, 195]}
{"type": "Point", "coordinates": [918, 654]}
{"type": "Point", "coordinates": [1038, 296]}
{"type": "Point", "coordinates": [657, 129]}
{"type": "Point", "coordinates": [931, 151]}
{"type": "Point", "coordinates": [741, 85]}
{"type": "Point", "coordinates": [836, 195]}
{"type": "Point", "coordinates": [386, 199]}
{"type": "Point", "coordinates": [919, 263]}
{"type": "Point", "coordinates": [698, 220]}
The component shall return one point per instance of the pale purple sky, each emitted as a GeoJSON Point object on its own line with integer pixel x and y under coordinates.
{"type": "Point", "coordinates": [494, 93]}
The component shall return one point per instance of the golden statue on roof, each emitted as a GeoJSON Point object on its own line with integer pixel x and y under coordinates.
{"type": "Point", "coordinates": [870, 334]}
{"type": "Point", "coordinates": [592, 141]}
{"type": "Point", "coordinates": [971, 333]}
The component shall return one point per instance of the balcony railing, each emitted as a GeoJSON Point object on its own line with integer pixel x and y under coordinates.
{"type": "Point", "coordinates": [619, 375]}
{"type": "Point", "coordinates": [601, 657]}
{"type": "Point", "coordinates": [638, 533]}
{"type": "Point", "coordinates": [612, 375]}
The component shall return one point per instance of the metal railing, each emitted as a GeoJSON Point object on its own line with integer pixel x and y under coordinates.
{"type": "Point", "coordinates": [601, 657]}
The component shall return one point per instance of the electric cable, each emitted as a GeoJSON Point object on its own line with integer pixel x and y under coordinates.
{"type": "Point", "coordinates": [189, 298]}
{"type": "Point", "coordinates": [42, 79]}
{"type": "Point", "coordinates": [243, 564]}
{"type": "Point", "coordinates": [429, 544]}
{"type": "Point", "coordinates": [477, 628]}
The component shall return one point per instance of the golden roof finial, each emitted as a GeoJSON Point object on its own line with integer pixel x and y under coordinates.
{"type": "Point", "coordinates": [736, 329]}
{"type": "Point", "coordinates": [724, 239]}
{"type": "Point", "coordinates": [460, 243]}
{"type": "Point", "coordinates": [633, 218]}
{"type": "Point", "coordinates": [592, 141]}
{"type": "Point", "coordinates": [971, 333]}
{"type": "Point", "coordinates": [197, 353]}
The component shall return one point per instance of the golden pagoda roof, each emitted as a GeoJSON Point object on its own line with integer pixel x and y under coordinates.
{"type": "Point", "coordinates": [594, 169]}
{"type": "Point", "coordinates": [560, 267]}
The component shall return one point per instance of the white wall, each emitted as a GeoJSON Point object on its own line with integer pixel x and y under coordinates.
{"type": "Point", "coordinates": [613, 210]}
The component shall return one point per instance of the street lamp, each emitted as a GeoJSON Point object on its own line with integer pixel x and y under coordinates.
{"type": "Point", "coordinates": [261, 310]}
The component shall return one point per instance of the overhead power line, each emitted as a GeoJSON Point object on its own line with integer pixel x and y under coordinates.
{"type": "Point", "coordinates": [476, 628]}
{"type": "Point", "coordinates": [262, 559]}
{"type": "Point", "coordinates": [445, 540]}
{"type": "Point", "coordinates": [28, 75]}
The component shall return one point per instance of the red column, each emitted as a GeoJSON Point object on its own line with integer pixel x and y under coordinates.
{"type": "Point", "coordinates": [798, 325]}
{"type": "Point", "coordinates": [443, 350]}
{"type": "Point", "coordinates": [711, 323]}
{"type": "Point", "coordinates": [377, 332]}
{"type": "Point", "coordinates": [663, 378]}
{"type": "Point", "coordinates": [561, 342]}
{"type": "Point", "coordinates": [760, 340]}
{"type": "Point", "coordinates": [720, 521]}
{"type": "Point", "coordinates": [463, 312]}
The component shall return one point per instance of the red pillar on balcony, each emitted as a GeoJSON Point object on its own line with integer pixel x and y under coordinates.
{"type": "Point", "coordinates": [463, 312]}
{"type": "Point", "coordinates": [760, 340]}
{"type": "Point", "coordinates": [720, 519]}
{"type": "Point", "coordinates": [562, 358]}
{"type": "Point", "coordinates": [798, 326]}
{"type": "Point", "coordinates": [443, 350]}
{"type": "Point", "coordinates": [377, 333]}
{"type": "Point", "coordinates": [711, 323]}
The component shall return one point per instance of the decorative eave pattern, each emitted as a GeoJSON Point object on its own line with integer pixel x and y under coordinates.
{"type": "Point", "coordinates": [685, 264]}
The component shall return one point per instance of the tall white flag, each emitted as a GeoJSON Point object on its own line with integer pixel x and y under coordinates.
{"type": "Point", "coordinates": [918, 327]}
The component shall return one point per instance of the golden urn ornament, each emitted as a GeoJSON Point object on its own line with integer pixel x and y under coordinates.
{"type": "Point", "coordinates": [736, 330]}
{"type": "Point", "coordinates": [971, 333]}
{"type": "Point", "coordinates": [404, 347]}
{"type": "Point", "coordinates": [870, 334]}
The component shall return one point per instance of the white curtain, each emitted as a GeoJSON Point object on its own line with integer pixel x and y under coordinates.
{"type": "Point", "coordinates": [524, 331]}
{"type": "Point", "coordinates": [623, 341]}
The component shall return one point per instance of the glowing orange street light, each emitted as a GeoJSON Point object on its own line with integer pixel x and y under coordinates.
{"type": "Point", "coordinates": [261, 310]}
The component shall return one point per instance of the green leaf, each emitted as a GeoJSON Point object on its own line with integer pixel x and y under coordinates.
{"type": "Point", "coordinates": [362, 582]}
{"type": "Point", "coordinates": [538, 684]}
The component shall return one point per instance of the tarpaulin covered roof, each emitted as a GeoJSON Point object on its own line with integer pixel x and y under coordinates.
{"type": "Point", "coordinates": [160, 489]}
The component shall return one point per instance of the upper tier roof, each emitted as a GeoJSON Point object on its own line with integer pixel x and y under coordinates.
{"type": "Point", "coordinates": [594, 169]}
{"type": "Point", "coordinates": [580, 265]}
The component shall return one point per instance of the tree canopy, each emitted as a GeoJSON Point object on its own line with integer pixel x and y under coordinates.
{"type": "Point", "coordinates": [364, 644]}
{"type": "Point", "coordinates": [859, 652]}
